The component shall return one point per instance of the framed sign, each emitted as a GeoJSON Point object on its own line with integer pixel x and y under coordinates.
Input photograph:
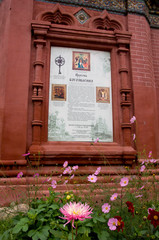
{"type": "Point", "coordinates": [80, 99]}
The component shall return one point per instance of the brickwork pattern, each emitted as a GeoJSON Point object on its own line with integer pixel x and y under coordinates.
{"type": "Point", "coordinates": [141, 51]}
{"type": "Point", "coordinates": [155, 52]}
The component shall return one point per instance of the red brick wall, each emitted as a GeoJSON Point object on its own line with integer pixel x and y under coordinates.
{"type": "Point", "coordinates": [143, 82]}
{"type": "Point", "coordinates": [16, 22]}
{"type": "Point", "coordinates": [155, 54]}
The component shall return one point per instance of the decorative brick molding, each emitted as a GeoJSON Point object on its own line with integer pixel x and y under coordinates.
{"type": "Point", "coordinates": [141, 7]}
{"type": "Point", "coordinates": [59, 27]}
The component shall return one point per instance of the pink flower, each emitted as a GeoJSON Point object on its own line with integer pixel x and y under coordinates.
{"type": "Point", "coordinates": [92, 178]}
{"type": "Point", "coordinates": [48, 179]}
{"type": "Point", "coordinates": [113, 223]}
{"type": "Point", "coordinates": [75, 211]}
{"type": "Point", "coordinates": [66, 181]}
{"type": "Point", "coordinates": [97, 171]}
{"type": "Point", "coordinates": [150, 154]}
{"type": "Point", "coordinates": [142, 168]}
{"type": "Point", "coordinates": [75, 168]}
{"type": "Point", "coordinates": [72, 176]}
{"type": "Point", "coordinates": [20, 174]}
{"type": "Point", "coordinates": [134, 136]}
{"type": "Point", "coordinates": [133, 119]}
{"type": "Point", "coordinates": [67, 170]}
{"type": "Point", "coordinates": [53, 184]}
{"type": "Point", "coordinates": [65, 164]}
{"type": "Point", "coordinates": [97, 140]}
{"type": "Point", "coordinates": [138, 196]}
{"type": "Point", "coordinates": [153, 160]}
{"type": "Point", "coordinates": [106, 208]}
{"type": "Point", "coordinates": [142, 187]}
{"type": "Point", "coordinates": [114, 197]}
{"type": "Point", "coordinates": [124, 182]}
{"type": "Point", "coordinates": [36, 175]}
{"type": "Point", "coordinates": [26, 154]}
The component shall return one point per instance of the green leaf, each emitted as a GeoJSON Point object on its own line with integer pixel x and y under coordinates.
{"type": "Point", "coordinates": [18, 227]}
{"type": "Point", "coordinates": [31, 233]}
{"type": "Point", "coordinates": [100, 219]}
{"type": "Point", "coordinates": [82, 237]}
{"type": "Point", "coordinates": [25, 228]}
{"type": "Point", "coordinates": [104, 235]}
{"type": "Point", "coordinates": [56, 233]}
{"type": "Point", "coordinates": [54, 206]}
{"type": "Point", "coordinates": [84, 230]}
{"type": "Point", "coordinates": [157, 234]}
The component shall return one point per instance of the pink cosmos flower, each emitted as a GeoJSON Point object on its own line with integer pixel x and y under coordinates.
{"type": "Point", "coordinates": [114, 197]}
{"type": "Point", "coordinates": [106, 208]}
{"type": "Point", "coordinates": [20, 174]}
{"type": "Point", "coordinates": [142, 187]}
{"type": "Point", "coordinates": [97, 171]}
{"type": "Point", "coordinates": [92, 178]}
{"type": "Point", "coordinates": [67, 170]}
{"type": "Point", "coordinates": [36, 175]}
{"type": "Point", "coordinates": [138, 196]}
{"type": "Point", "coordinates": [150, 154]}
{"type": "Point", "coordinates": [124, 182]}
{"type": "Point", "coordinates": [48, 179]}
{"type": "Point", "coordinates": [153, 160]}
{"type": "Point", "coordinates": [142, 168]}
{"type": "Point", "coordinates": [53, 184]}
{"type": "Point", "coordinates": [75, 168]}
{"type": "Point", "coordinates": [134, 137]}
{"type": "Point", "coordinates": [72, 176]}
{"type": "Point", "coordinates": [75, 211]}
{"type": "Point", "coordinates": [65, 164]}
{"type": "Point", "coordinates": [133, 119]}
{"type": "Point", "coordinates": [113, 223]}
{"type": "Point", "coordinates": [97, 140]}
{"type": "Point", "coordinates": [66, 181]}
{"type": "Point", "coordinates": [26, 154]}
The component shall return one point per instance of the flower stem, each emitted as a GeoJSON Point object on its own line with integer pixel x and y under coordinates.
{"type": "Point", "coordinates": [72, 232]}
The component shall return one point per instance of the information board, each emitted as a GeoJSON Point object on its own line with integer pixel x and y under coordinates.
{"type": "Point", "coordinates": [80, 95]}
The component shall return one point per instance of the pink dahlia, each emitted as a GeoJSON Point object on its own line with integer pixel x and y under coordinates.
{"type": "Point", "coordinates": [75, 211]}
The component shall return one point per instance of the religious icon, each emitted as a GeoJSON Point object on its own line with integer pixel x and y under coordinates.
{"type": "Point", "coordinates": [81, 61]}
{"type": "Point", "coordinates": [103, 94]}
{"type": "Point", "coordinates": [58, 92]}
{"type": "Point", "coordinates": [59, 61]}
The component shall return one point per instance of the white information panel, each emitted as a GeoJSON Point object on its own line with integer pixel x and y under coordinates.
{"type": "Point", "coordinates": [80, 95]}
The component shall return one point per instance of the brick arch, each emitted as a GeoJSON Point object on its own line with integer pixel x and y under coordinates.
{"type": "Point", "coordinates": [57, 16]}
{"type": "Point", "coordinates": [104, 22]}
